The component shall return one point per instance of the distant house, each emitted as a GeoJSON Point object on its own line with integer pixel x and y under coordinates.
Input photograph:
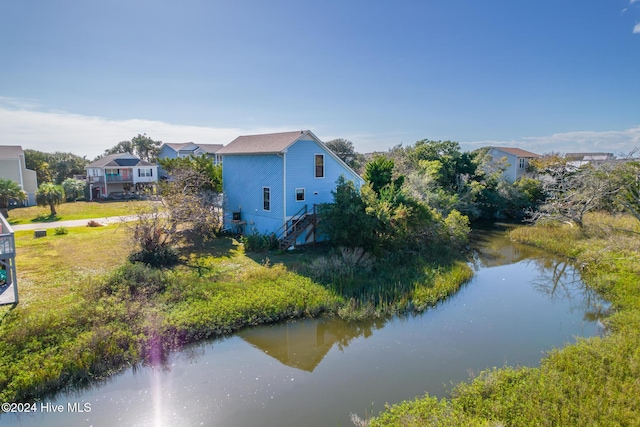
{"type": "Point", "coordinates": [186, 149]}
{"type": "Point", "coordinates": [580, 159]}
{"type": "Point", "coordinates": [272, 183]}
{"type": "Point", "coordinates": [119, 175]}
{"type": "Point", "coordinates": [14, 167]}
{"type": "Point", "coordinates": [516, 159]}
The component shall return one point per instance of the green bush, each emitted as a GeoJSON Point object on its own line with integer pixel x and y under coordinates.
{"type": "Point", "coordinates": [61, 230]}
{"type": "Point", "coordinates": [163, 256]}
{"type": "Point", "coordinates": [256, 242]}
{"type": "Point", "coordinates": [136, 279]}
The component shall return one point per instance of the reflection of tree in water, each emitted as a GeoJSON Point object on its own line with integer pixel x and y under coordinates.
{"type": "Point", "coordinates": [559, 279]}
{"type": "Point", "coordinates": [492, 248]}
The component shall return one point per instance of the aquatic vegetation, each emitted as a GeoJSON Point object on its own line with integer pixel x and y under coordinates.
{"type": "Point", "coordinates": [593, 382]}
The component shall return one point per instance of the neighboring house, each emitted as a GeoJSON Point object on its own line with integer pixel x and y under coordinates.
{"type": "Point", "coordinates": [580, 159]}
{"type": "Point", "coordinates": [14, 167]}
{"type": "Point", "coordinates": [119, 175]}
{"type": "Point", "coordinates": [272, 183]}
{"type": "Point", "coordinates": [516, 160]}
{"type": "Point", "coordinates": [186, 149]}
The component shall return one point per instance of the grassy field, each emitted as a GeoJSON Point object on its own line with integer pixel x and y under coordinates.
{"type": "Point", "coordinates": [85, 312]}
{"type": "Point", "coordinates": [74, 210]}
{"type": "Point", "coordinates": [595, 382]}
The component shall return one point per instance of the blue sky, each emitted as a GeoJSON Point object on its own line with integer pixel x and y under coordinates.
{"type": "Point", "coordinates": [541, 75]}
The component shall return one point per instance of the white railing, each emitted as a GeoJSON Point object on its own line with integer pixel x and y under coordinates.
{"type": "Point", "coordinates": [7, 241]}
{"type": "Point", "coordinates": [8, 264]}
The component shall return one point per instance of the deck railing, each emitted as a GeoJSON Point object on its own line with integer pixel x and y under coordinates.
{"type": "Point", "coordinates": [7, 241]}
{"type": "Point", "coordinates": [8, 264]}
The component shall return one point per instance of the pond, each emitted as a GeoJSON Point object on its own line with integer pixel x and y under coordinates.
{"type": "Point", "coordinates": [521, 303]}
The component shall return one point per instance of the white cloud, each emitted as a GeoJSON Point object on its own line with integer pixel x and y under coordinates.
{"type": "Point", "coordinates": [616, 142]}
{"type": "Point", "coordinates": [90, 135]}
{"type": "Point", "coordinates": [636, 29]}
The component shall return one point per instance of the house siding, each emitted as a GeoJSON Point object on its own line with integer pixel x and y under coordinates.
{"type": "Point", "coordinates": [301, 174]}
{"type": "Point", "coordinates": [244, 177]}
{"type": "Point", "coordinates": [513, 171]}
{"type": "Point", "coordinates": [15, 169]}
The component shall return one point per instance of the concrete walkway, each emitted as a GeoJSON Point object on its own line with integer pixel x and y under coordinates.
{"type": "Point", "coordinates": [74, 223]}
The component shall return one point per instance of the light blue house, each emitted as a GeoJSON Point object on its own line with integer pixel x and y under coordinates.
{"type": "Point", "coordinates": [273, 182]}
{"type": "Point", "coordinates": [186, 149]}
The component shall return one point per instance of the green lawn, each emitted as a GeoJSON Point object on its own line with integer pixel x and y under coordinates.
{"type": "Point", "coordinates": [75, 210]}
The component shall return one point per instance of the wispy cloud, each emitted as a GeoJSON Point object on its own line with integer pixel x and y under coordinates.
{"type": "Point", "coordinates": [90, 135]}
{"type": "Point", "coordinates": [636, 29]}
{"type": "Point", "coordinates": [617, 142]}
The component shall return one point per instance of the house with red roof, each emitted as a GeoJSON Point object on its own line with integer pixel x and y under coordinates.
{"type": "Point", "coordinates": [516, 159]}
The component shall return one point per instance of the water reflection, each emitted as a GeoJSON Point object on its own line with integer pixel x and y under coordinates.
{"type": "Point", "coordinates": [303, 344]}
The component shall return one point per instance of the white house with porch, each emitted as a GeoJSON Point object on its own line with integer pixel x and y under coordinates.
{"type": "Point", "coordinates": [120, 175]}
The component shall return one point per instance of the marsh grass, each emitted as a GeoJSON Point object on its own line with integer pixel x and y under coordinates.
{"type": "Point", "coordinates": [592, 382]}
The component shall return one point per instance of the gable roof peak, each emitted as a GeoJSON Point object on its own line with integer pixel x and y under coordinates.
{"type": "Point", "coordinates": [265, 143]}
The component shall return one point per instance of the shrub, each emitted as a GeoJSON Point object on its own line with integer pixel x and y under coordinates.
{"type": "Point", "coordinates": [61, 230]}
{"type": "Point", "coordinates": [163, 256]}
{"type": "Point", "coordinates": [256, 242]}
{"type": "Point", "coordinates": [137, 279]}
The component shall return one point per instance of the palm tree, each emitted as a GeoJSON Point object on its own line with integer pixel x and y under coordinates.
{"type": "Point", "coordinates": [9, 189]}
{"type": "Point", "coordinates": [50, 195]}
{"type": "Point", "coordinates": [73, 187]}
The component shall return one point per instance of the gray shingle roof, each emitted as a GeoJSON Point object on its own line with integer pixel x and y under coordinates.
{"type": "Point", "coordinates": [265, 143]}
{"type": "Point", "coordinates": [118, 160]}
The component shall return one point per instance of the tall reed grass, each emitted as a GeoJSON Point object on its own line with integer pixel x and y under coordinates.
{"type": "Point", "coordinates": [591, 383]}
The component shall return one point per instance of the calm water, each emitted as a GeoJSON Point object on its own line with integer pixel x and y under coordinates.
{"type": "Point", "coordinates": [521, 303]}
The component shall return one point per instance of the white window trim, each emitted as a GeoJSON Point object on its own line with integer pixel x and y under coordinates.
{"type": "Point", "coordinates": [324, 166]}
{"type": "Point", "coordinates": [522, 163]}
{"type": "Point", "coordinates": [304, 194]}
{"type": "Point", "coordinates": [263, 199]}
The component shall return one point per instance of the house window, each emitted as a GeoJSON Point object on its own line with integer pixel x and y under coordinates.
{"type": "Point", "coordinates": [266, 198]}
{"type": "Point", "coordinates": [319, 165]}
{"type": "Point", "coordinates": [299, 194]}
{"type": "Point", "coordinates": [523, 163]}
{"type": "Point", "coordinates": [145, 172]}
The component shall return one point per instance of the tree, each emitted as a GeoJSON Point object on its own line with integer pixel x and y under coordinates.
{"type": "Point", "coordinates": [73, 188]}
{"type": "Point", "coordinates": [54, 167]}
{"type": "Point", "coordinates": [141, 145]}
{"type": "Point", "coordinates": [9, 190]}
{"type": "Point", "coordinates": [50, 195]}
{"type": "Point", "coordinates": [212, 173]}
{"type": "Point", "coordinates": [573, 191]}
{"type": "Point", "coordinates": [192, 194]}
{"type": "Point", "coordinates": [628, 180]}
{"type": "Point", "coordinates": [344, 149]}
{"type": "Point", "coordinates": [379, 173]}
{"type": "Point", "coordinates": [154, 234]}
{"type": "Point", "coordinates": [345, 221]}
